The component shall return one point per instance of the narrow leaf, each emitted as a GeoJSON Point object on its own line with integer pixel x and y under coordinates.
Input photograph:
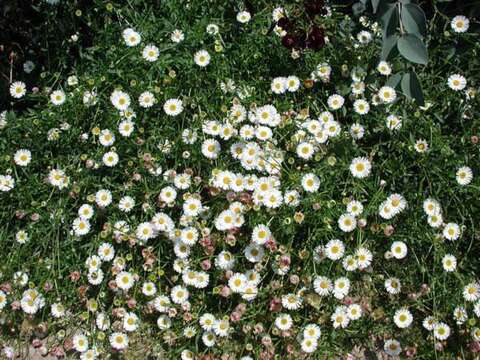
{"type": "Point", "coordinates": [411, 88]}
{"type": "Point", "coordinates": [389, 44]}
{"type": "Point", "coordinates": [412, 49]}
{"type": "Point", "coordinates": [375, 4]}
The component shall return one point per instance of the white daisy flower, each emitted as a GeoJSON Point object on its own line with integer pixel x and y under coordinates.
{"type": "Point", "coordinates": [173, 107]}
{"type": "Point", "coordinates": [18, 89]}
{"type": "Point", "coordinates": [464, 175]}
{"type": "Point", "coordinates": [22, 157]}
{"type": "Point", "coordinates": [403, 318]}
{"type": "Point", "coordinates": [360, 167]}
{"type": "Point", "coordinates": [347, 222]}
{"type": "Point", "coordinates": [387, 94]}
{"type": "Point", "coordinates": [441, 331]}
{"type": "Point", "coordinates": [361, 107]}
{"type": "Point", "coordinates": [150, 53]}
{"type": "Point", "coordinates": [392, 347]}
{"type": "Point", "coordinates": [146, 99]}
{"type": "Point", "coordinates": [335, 101]}
{"type": "Point", "coordinates": [202, 58]}
{"type": "Point", "coordinates": [118, 341]}
{"type": "Point", "coordinates": [57, 97]}
{"type": "Point", "coordinates": [124, 280]}
{"type": "Point", "coordinates": [131, 37]}
{"type": "Point", "coordinates": [310, 182]}
{"type": "Point", "coordinates": [460, 24]}
{"type": "Point", "coordinates": [283, 322]}
{"type": "Point", "coordinates": [398, 249]}
{"type": "Point", "coordinates": [177, 36]}
{"type": "Point", "coordinates": [384, 68]}
{"type": "Point", "coordinates": [243, 17]}
{"type": "Point", "coordinates": [457, 82]}
{"type": "Point", "coordinates": [451, 231]}
{"type": "Point", "coordinates": [120, 100]}
{"type": "Point", "coordinates": [80, 343]}
{"type": "Point", "coordinates": [279, 85]}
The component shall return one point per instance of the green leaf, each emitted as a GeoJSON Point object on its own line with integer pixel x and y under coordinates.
{"type": "Point", "coordinates": [394, 80]}
{"type": "Point", "coordinates": [412, 49]}
{"type": "Point", "coordinates": [411, 88]}
{"type": "Point", "coordinates": [375, 4]}
{"type": "Point", "coordinates": [388, 44]}
{"type": "Point", "coordinates": [413, 19]}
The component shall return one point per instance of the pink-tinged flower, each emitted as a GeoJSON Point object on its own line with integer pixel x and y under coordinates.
{"type": "Point", "coordinates": [241, 308]}
{"type": "Point", "coordinates": [131, 303]}
{"type": "Point", "coordinates": [206, 241]}
{"type": "Point", "coordinates": [172, 312]}
{"type": "Point", "coordinates": [230, 239]}
{"type": "Point", "coordinates": [235, 316]}
{"type": "Point", "coordinates": [225, 291]}
{"type": "Point", "coordinates": [68, 344]}
{"type": "Point", "coordinates": [347, 301]}
{"type": "Point", "coordinates": [275, 305]}
{"type": "Point", "coordinates": [411, 352]}
{"type": "Point", "coordinates": [285, 260]}
{"type": "Point", "coordinates": [47, 286]}
{"type": "Point", "coordinates": [15, 305]}
{"type": "Point", "coordinates": [74, 276]}
{"type": "Point", "coordinates": [210, 250]}
{"type": "Point", "coordinates": [475, 346]}
{"type": "Point", "coordinates": [35, 217]}
{"type": "Point", "coordinates": [231, 196]}
{"type": "Point", "coordinates": [271, 244]}
{"type": "Point", "coordinates": [258, 329]}
{"type": "Point", "coordinates": [58, 352]}
{"type": "Point", "coordinates": [6, 287]}
{"type": "Point", "coordinates": [267, 341]}
{"type": "Point", "coordinates": [187, 316]}
{"type": "Point", "coordinates": [389, 230]}
{"type": "Point", "coordinates": [206, 264]}
{"type": "Point", "coordinates": [266, 355]}
{"type": "Point", "coordinates": [36, 343]}
{"type": "Point", "coordinates": [294, 279]}
{"type": "Point", "coordinates": [245, 198]}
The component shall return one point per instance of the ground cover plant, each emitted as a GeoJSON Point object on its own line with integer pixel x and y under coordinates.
{"type": "Point", "coordinates": [244, 180]}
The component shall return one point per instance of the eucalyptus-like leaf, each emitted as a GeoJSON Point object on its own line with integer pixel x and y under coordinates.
{"type": "Point", "coordinates": [411, 88]}
{"type": "Point", "coordinates": [388, 45]}
{"type": "Point", "coordinates": [412, 48]}
{"type": "Point", "coordinates": [413, 19]}
{"type": "Point", "coordinates": [394, 80]}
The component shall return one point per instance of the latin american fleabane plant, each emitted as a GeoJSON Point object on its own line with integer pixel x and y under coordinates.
{"type": "Point", "coordinates": [244, 180]}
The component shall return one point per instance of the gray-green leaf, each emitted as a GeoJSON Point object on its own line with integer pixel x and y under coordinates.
{"type": "Point", "coordinates": [388, 45]}
{"type": "Point", "coordinates": [394, 80]}
{"type": "Point", "coordinates": [412, 48]}
{"type": "Point", "coordinates": [413, 19]}
{"type": "Point", "coordinates": [411, 88]}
